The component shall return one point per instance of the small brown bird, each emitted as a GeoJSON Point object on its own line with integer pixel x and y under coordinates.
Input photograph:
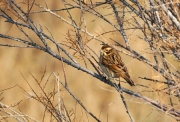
{"type": "Point", "coordinates": [112, 65]}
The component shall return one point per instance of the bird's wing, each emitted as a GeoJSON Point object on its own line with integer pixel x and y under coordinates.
{"type": "Point", "coordinates": [120, 65]}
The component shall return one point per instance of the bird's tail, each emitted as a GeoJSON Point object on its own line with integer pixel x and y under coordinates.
{"type": "Point", "coordinates": [129, 81]}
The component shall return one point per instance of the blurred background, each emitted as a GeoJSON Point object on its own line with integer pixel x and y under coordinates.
{"type": "Point", "coordinates": [20, 65]}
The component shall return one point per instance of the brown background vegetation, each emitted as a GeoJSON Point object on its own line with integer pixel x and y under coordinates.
{"type": "Point", "coordinates": [101, 99]}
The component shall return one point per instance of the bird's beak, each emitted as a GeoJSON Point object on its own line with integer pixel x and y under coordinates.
{"type": "Point", "coordinates": [101, 52]}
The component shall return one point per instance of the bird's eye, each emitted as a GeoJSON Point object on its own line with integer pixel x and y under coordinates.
{"type": "Point", "coordinates": [108, 51]}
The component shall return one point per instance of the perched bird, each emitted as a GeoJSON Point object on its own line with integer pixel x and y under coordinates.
{"type": "Point", "coordinates": [112, 65]}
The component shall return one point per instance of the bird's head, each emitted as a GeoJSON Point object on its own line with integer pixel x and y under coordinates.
{"type": "Point", "coordinates": [106, 50]}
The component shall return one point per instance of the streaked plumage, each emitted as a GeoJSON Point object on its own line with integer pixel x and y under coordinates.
{"type": "Point", "coordinates": [112, 65]}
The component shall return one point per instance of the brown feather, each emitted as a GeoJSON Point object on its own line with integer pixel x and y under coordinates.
{"type": "Point", "coordinates": [112, 63]}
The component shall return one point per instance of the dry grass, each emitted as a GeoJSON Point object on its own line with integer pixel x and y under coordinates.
{"type": "Point", "coordinates": [35, 86]}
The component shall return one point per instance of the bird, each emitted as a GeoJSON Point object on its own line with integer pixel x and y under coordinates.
{"type": "Point", "coordinates": [112, 65]}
